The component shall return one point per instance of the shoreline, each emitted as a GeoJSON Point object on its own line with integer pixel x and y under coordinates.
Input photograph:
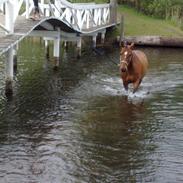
{"type": "Point", "coordinates": [147, 31]}
{"type": "Point", "coordinates": [155, 41]}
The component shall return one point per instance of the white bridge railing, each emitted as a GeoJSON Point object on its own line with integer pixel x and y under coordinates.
{"type": "Point", "coordinates": [80, 16]}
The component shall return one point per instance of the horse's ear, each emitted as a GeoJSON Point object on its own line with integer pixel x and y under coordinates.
{"type": "Point", "coordinates": [123, 44]}
{"type": "Point", "coordinates": [132, 46]}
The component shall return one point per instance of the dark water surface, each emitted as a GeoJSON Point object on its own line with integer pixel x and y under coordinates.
{"type": "Point", "coordinates": [78, 124]}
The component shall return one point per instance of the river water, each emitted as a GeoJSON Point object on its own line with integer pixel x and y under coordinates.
{"type": "Point", "coordinates": [78, 125]}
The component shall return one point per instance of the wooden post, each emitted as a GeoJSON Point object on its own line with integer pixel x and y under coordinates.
{"type": "Point", "coordinates": [57, 13]}
{"type": "Point", "coordinates": [2, 7]}
{"type": "Point", "coordinates": [113, 11]}
{"type": "Point", "coordinates": [79, 47]}
{"type": "Point", "coordinates": [9, 17]}
{"type": "Point", "coordinates": [27, 9]}
{"type": "Point", "coordinates": [9, 73]}
{"type": "Point", "coordinates": [121, 30]}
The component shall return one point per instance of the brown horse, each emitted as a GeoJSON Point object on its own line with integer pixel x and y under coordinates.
{"type": "Point", "coordinates": [133, 66]}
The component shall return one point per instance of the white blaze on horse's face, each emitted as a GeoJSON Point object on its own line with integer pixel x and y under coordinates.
{"type": "Point", "coordinates": [123, 61]}
{"type": "Point", "coordinates": [125, 55]}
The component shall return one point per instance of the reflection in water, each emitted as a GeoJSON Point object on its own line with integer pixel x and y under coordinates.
{"type": "Point", "coordinates": [117, 140]}
{"type": "Point", "coordinates": [78, 125]}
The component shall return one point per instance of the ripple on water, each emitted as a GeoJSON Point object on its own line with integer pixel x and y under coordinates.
{"type": "Point", "coordinates": [79, 125]}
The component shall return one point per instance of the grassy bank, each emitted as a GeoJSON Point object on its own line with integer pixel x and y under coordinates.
{"type": "Point", "coordinates": [137, 24]}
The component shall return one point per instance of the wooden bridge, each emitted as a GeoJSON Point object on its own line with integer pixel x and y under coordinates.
{"type": "Point", "coordinates": [60, 20]}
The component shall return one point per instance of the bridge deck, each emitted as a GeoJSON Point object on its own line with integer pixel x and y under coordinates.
{"type": "Point", "coordinates": [23, 27]}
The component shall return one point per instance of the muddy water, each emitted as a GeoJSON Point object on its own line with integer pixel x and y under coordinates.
{"type": "Point", "coordinates": [79, 125]}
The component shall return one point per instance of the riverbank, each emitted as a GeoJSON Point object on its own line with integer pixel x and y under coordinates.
{"type": "Point", "coordinates": [145, 30]}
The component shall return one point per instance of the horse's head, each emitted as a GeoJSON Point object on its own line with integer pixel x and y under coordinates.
{"type": "Point", "coordinates": [126, 57]}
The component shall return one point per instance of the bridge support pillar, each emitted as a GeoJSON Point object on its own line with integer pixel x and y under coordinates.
{"type": "Point", "coordinates": [94, 40]}
{"type": "Point", "coordinates": [47, 49]}
{"type": "Point", "coordinates": [9, 73]}
{"type": "Point", "coordinates": [66, 45]}
{"type": "Point", "coordinates": [56, 51]}
{"type": "Point", "coordinates": [103, 37]}
{"type": "Point", "coordinates": [15, 58]}
{"type": "Point", "coordinates": [79, 47]}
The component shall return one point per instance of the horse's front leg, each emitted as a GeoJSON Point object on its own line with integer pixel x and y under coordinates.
{"type": "Point", "coordinates": [125, 84]}
{"type": "Point", "coordinates": [136, 85]}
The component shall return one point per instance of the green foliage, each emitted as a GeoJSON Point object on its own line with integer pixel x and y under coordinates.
{"type": "Point", "coordinates": [137, 24]}
{"type": "Point", "coordinates": [166, 9]}
{"type": "Point", "coordinates": [176, 2]}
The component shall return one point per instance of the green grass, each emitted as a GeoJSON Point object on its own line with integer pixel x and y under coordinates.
{"type": "Point", "coordinates": [137, 24]}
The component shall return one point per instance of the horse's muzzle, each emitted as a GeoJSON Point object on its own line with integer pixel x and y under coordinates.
{"type": "Point", "coordinates": [123, 66]}
{"type": "Point", "coordinates": [123, 69]}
